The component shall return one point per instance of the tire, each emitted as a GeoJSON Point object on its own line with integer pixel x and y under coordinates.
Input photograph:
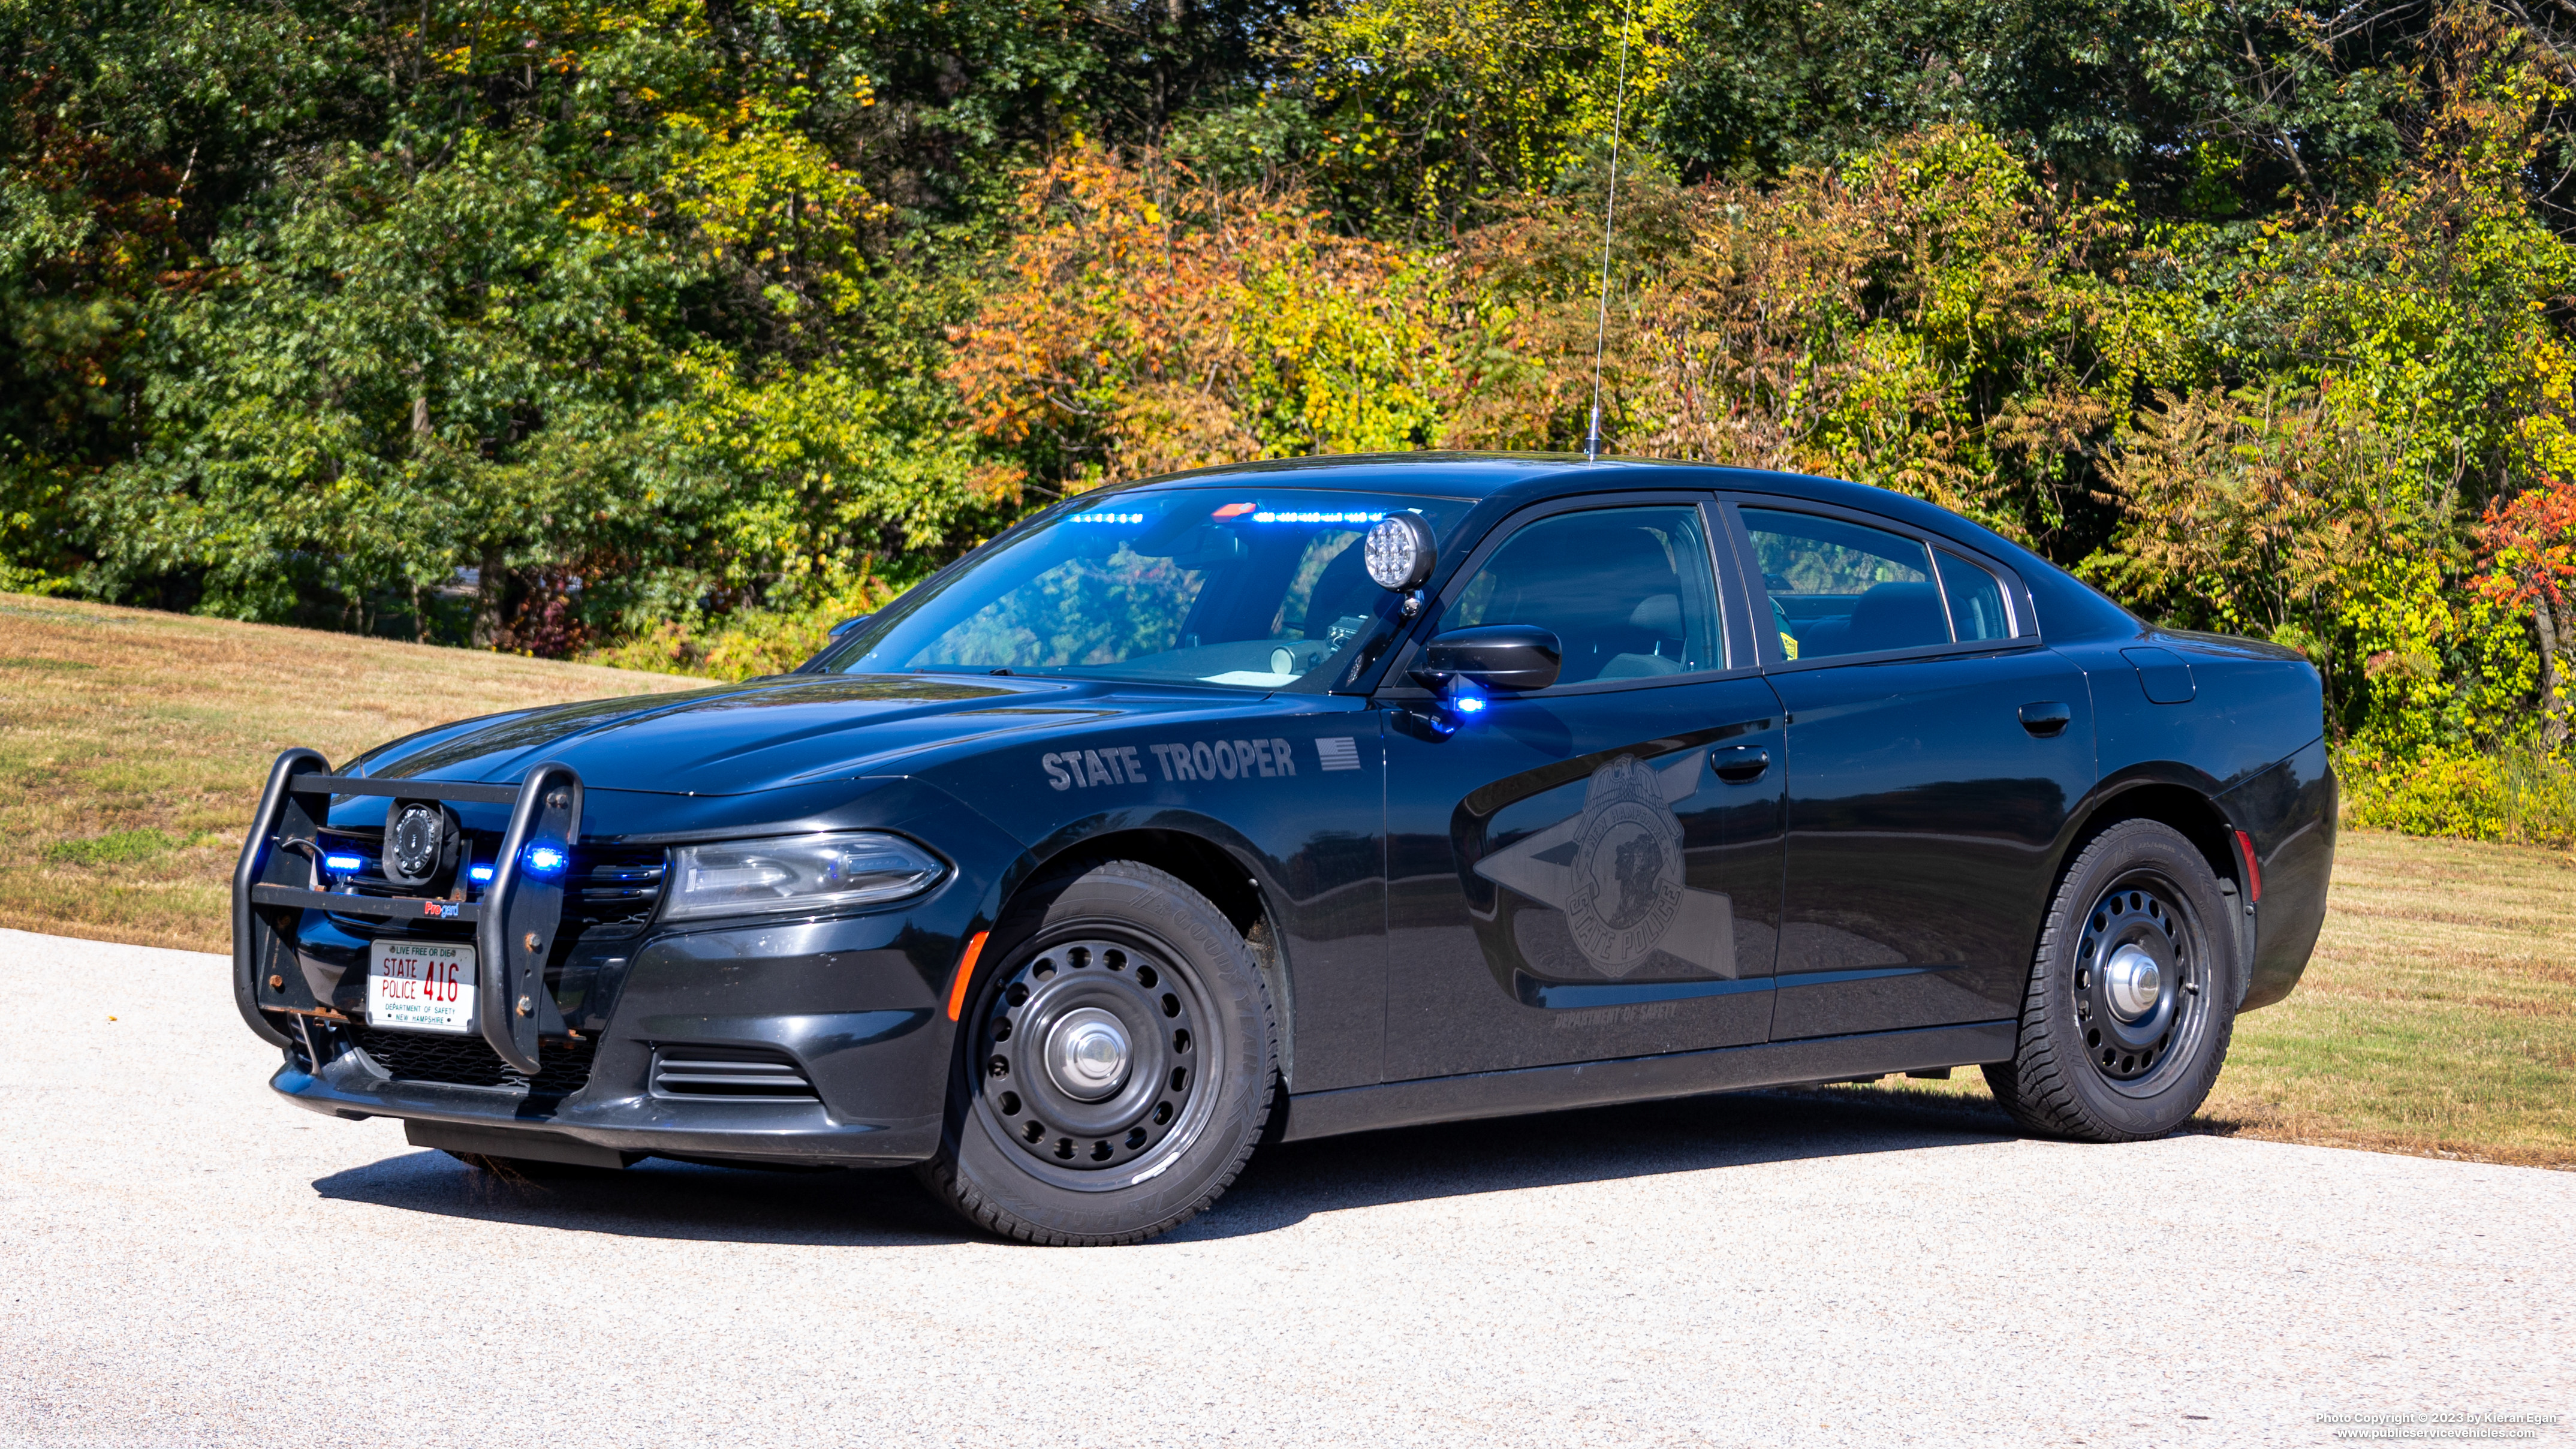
{"type": "Point", "coordinates": [1116, 1067]}
{"type": "Point", "coordinates": [2097, 1060]}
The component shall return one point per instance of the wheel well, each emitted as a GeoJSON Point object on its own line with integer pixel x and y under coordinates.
{"type": "Point", "coordinates": [2179, 806]}
{"type": "Point", "coordinates": [1204, 866]}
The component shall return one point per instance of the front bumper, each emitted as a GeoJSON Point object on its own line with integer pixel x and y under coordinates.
{"type": "Point", "coordinates": [850, 1004]}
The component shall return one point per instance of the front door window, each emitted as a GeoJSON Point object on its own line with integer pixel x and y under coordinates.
{"type": "Point", "coordinates": [1626, 591]}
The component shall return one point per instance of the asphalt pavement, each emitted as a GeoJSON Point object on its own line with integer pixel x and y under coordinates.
{"type": "Point", "coordinates": [185, 1260]}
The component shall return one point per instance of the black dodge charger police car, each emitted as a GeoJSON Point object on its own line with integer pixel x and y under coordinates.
{"type": "Point", "coordinates": [1312, 797]}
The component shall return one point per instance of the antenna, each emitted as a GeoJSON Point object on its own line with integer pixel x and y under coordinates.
{"type": "Point", "coordinates": [1609, 208]}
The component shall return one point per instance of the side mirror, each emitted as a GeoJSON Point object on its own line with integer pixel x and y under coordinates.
{"type": "Point", "coordinates": [1497, 656]}
{"type": "Point", "coordinates": [846, 625]}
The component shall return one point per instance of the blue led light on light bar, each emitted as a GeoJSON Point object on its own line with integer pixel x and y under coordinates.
{"type": "Point", "coordinates": [344, 864]}
{"type": "Point", "coordinates": [1107, 518]}
{"type": "Point", "coordinates": [479, 874]}
{"type": "Point", "coordinates": [1355, 516]}
{"type": "Point", "coordinates": [545, 859]}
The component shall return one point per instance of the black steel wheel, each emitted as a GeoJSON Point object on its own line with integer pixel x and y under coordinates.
{"type": "Point", "coordinates": [1118, 1065]}
{"type": "Point", "coordinates": [2132, 993]}
{"type": "Point", "coordinates": [1094, 1061]}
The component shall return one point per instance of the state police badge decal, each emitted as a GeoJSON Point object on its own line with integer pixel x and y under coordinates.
{"type": "Point", "coordinates": [1616, 870]}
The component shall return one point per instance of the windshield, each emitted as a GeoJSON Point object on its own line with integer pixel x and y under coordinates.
{"type": "Point", "coordinates": [1259, 589]}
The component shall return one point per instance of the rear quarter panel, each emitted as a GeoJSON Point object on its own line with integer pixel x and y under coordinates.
{"type": "Point", "coordinates": [2289, 812]}
{"type": "Point", "coordinates": [2250, 740]}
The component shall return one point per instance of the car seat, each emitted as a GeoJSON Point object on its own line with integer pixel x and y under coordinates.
{"type": "Point", "coordinates": [1895, 616]}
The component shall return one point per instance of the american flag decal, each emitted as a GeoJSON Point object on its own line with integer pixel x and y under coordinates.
{"type": "Point", "coordinates": [1338, 754]}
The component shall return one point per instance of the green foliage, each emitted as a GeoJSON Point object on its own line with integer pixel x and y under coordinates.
{"type": "Point", "coordinates": [406, 373]}
{"type": "Point", "coordinates": [1429, 106]}
{"type": "Point", "coordinates": [674, 332]}
{"type": "Point", "coordinates": [751, 642]}
{"type": "Point", "coordinates": [2520, 795]}
{"type": "Point", "coordinates": [2205, 110]}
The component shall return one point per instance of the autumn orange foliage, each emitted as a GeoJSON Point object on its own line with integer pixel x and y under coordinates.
{"type": "Point", "coordinates": [1146, 323]}
{"type": "Point", "coordinates": [2527, 545]}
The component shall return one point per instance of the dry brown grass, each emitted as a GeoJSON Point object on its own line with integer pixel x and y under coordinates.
{"type": "Point", "coordinates": [133, 745]}
{"type": "Point", "coordinates": [2438, 1016]}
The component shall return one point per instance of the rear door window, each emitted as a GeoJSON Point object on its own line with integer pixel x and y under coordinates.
{"type": "Point", "coordinates": [1979, 608]}
{"type": "Point", "coordinates": [1844, 588]}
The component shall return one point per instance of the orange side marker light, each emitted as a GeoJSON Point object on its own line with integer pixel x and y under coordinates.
{"type": "Point", "coordinates": [965, 974]}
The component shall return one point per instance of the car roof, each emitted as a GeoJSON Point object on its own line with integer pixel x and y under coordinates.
{"type": "Point", "coordinates": [1499, 483]}
{"type": "Point", "coordinates": [1516, 478]}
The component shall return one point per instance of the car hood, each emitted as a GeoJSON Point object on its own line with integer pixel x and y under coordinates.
{"type": "Point", "coordinates": [763, 734]}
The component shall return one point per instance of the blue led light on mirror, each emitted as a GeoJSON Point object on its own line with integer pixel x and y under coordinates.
{"type": "Point", "coordinates": [1468, 704]}
{"type": "Point", "coordinates": [344, 864]}
{"type": "Point", "coordinates": [545, 859]}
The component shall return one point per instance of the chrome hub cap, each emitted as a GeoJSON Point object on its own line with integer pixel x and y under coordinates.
{"type": "Point", "coordinates": [1087, 1053]}
{"type": "Point", "coordinates": [2133, 983]}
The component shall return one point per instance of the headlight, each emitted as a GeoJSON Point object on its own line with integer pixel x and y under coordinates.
{"type": "Point", "coordinates": [797, 873]}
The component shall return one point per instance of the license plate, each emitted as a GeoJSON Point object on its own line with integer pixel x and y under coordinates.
{"type": "Point", "coordinates": [421, 986]}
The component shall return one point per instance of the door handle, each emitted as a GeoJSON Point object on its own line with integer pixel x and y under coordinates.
{"type": "Point", "coordinates": [2047, 719]}
{"type": "Point", "coordinates": [1739, 764]}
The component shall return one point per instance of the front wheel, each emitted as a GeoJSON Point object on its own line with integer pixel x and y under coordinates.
{"type": "Point", "coordinates": [1116, 1067]}
{"type": "Point", "coordinates": [2132, 993]}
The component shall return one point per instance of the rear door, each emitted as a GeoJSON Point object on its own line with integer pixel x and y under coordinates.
{"type": "Point", "coordinates": [1935, 747]}
{"type": "Point", "coordinates": [1571, 875]}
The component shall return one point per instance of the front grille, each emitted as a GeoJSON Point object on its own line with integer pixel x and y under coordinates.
{"type": "Point", "coordinates": [614, 889]}
{"type": "Point", "coordinates": [743, 1074]}
{"type": "Point", "coordinates": [465, 1061]}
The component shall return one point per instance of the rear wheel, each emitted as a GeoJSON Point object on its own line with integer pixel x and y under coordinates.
{"type": "Point", "coordinates": [1117, 1065]}
{"type": "Point", "coordinates": [2132, 993]}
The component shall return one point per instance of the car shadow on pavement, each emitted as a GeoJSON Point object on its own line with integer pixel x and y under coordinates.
{"type": "Point", "coordinates": [1284, 1184]}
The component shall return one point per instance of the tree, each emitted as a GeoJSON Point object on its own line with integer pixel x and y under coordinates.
{"type": "Point", "coordinates": [2527, 556]}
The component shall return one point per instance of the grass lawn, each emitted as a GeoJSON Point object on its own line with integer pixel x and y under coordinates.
{"type": "Point", "coordinates": [2439, 1015]}
{"type": "Point", "coordinates": [133, 745]}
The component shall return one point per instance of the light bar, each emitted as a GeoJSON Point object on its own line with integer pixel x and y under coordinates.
{"type": "Point", "coordinates": [1266, 516]}
{"type": "Point", "coordinates": [1106, 518]}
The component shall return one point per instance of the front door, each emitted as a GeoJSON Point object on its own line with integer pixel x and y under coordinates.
{"type": "Point", "coordinates": [1935, 747]}
{"type": "Point", "coordinates": [1571, 876]}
